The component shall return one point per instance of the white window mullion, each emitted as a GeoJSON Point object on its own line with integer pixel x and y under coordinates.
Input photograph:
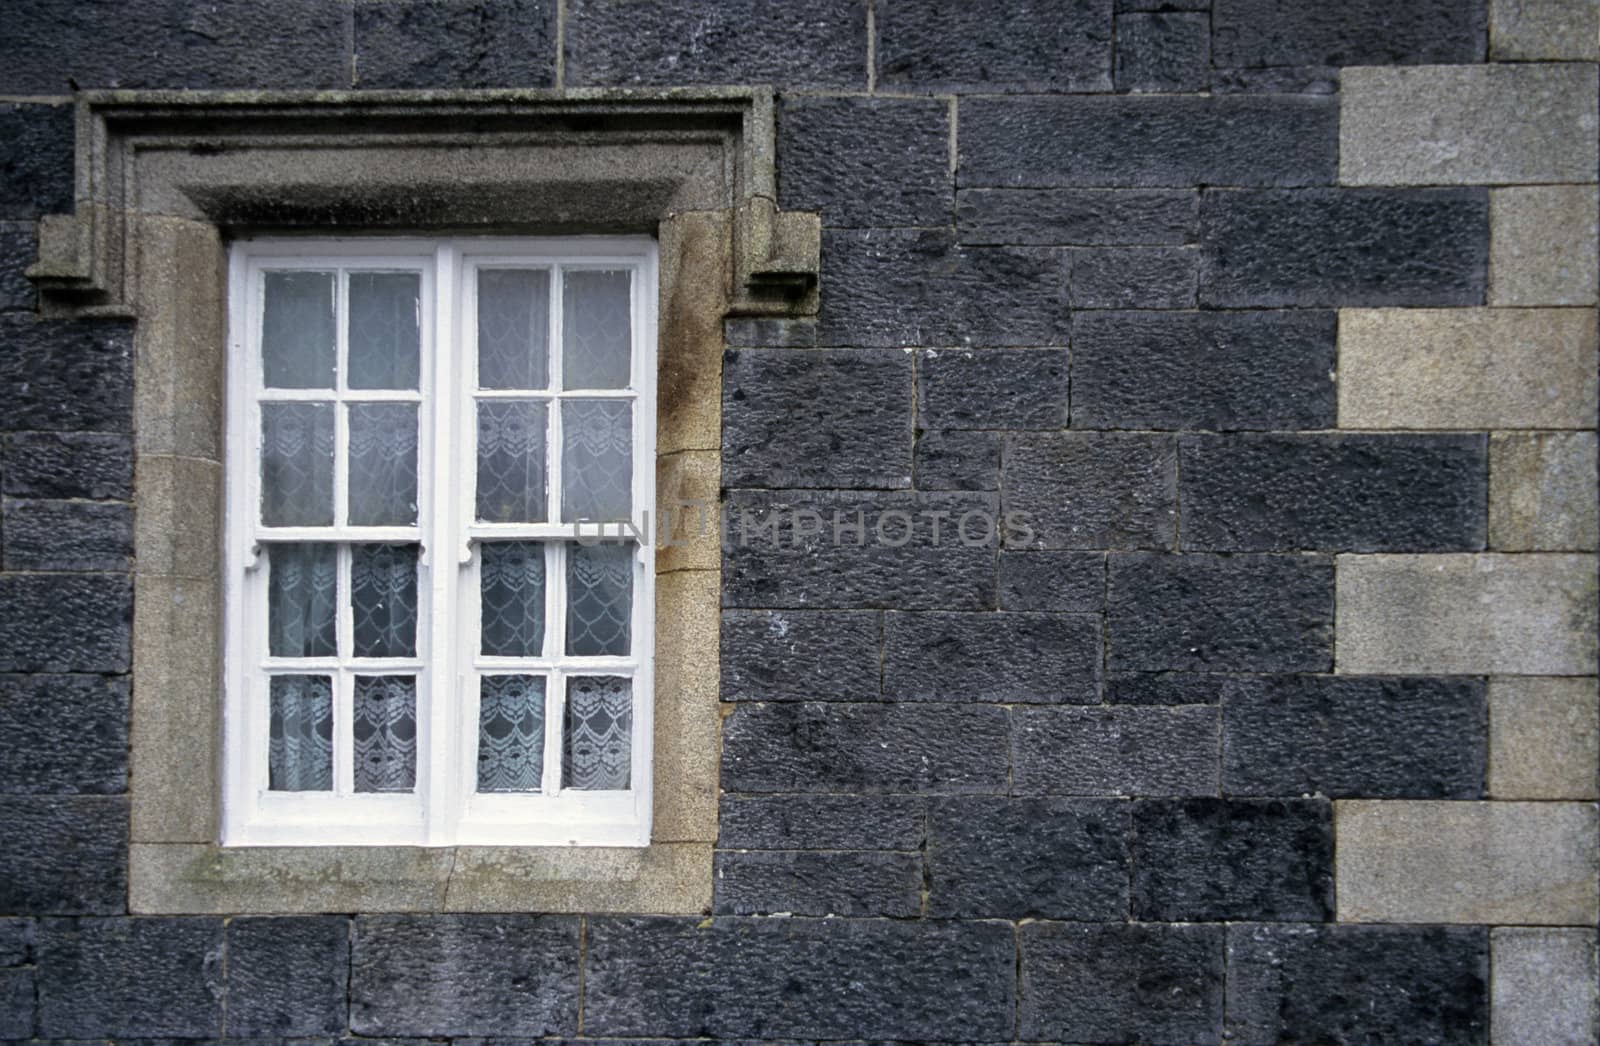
{"type": "Point", "coordinates": [439, 745]}
{"type": "Point", "coordinates": [344, 683]}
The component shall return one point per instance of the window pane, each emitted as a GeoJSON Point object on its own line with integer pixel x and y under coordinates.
{"type": "Point", "coordinates": [385, 731]}
{"type": "Point", "coordinates": [511, 462]}
{"type": "Point", "coordinates": [302, 600]}
{"type": "Point", "coordinates": [513, 328]}
{"type": "Point", "coordinates": [596, 460]}
{"type": "Point", "coordinates": [300, 739]}
{"type": "Point", "coordinates": [297, 464]}
{"type": "Point", "coordinates": [597, 749]}
{"type": "Point", "coordinates": [511, 584]}
{"type": "Point", "coordinates": [383, 463]}
{"type": "Point", "coordinates": [383, 600]}
{"type": "Point", "coordinates": [297, 330]}
{"type": "Point", "coordinates": [596, 330]}
{"type": "Point", "coordinates": [599, 599]}
{"type": "Point", "coordinates": [385, 330]}
{"type": "Point", "coordinates": [510, 733]}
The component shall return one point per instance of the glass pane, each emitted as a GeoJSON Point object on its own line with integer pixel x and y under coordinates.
{"type": "Point", "coordinates": [297, 330]}
{"type": "Point", "coordinates": [511, 585]}
{"type": "Point", "coordinates": [513, 328]}
{"type": "Point", "coordinates": [598, 748]}
{"type": "Point", "coordinates": [596, 460]}
{"type": "Point", "coordinates": [510, 733]}
{"type": "Point", "coordinates": [383, 600]}
{"type": "Point", "coordinates": [511, 454]}
{"type": "Point", "coordinates": [302, 600]}
{"type": "Point", "coordinates": [596, 330]}
{"type": "Point", "coordinates": [300, 737]}
{"type": "Point", "coordinates": [297, 464]}
{"type": "Point", "coordinates": [383, 463]}
{"type": "Point", "coordinates": [385, 330]}
{"type": "Point", "coordinates": [599, 599]}
{"type": "Point", "coordinates": [385, 730]}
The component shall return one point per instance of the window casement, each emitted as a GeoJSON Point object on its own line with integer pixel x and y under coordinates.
{"type": "Point", "coordinates": [439, 575]}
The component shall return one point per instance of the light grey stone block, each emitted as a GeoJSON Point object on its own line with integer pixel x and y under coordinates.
{"type": "Point", "coordinates": [1543, 741]}
{"type": "Point", "coordinates": [1400, 861]}
{"type": "Point", "coordinates": [1467, 124]}
{"type": "Point", "coordinates": [1466, 614]}
{"type": "Point", "coordinates": [1543, 988]}
{"type": "Point", "coordinates": [1544, 30]}
{"type": "Point", "coordinates": [1542, 493]}
{"type": "Point", "coordinates": [1542, 244]}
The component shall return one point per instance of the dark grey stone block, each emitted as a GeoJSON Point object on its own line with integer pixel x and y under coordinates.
{"type": "Point", "coordinates": [130, 978]}
{"type": "Point", "coordinates": [1219, 613]}
{"type": "Point", "coordinates": [16, 942]}
{"type": "Point", "coordinates": [992, 389]}
{"type": "Point", "coordinates": [1092, 490]}
{"type": "Point", "coordinates": [1165, 688]}
{"type": "Point", "coordinates": [1027, 858]}
{"type": "Point", "coordinates": [1005, 658]}
{"type": "Point", "coordinates": [1367, 493]}
{"type": "Point", "coordinates": [801, 655]}
{"type": "Point", "coordinates": [1348, 32]}
{"type": "Point", "coordinates": [18, 250]}
{"type": "Point", "coordinates": [288, 976]}
{"type": "Point", "coordinates": [17, 990]}
{"type": "Point", "coordinates": [1360, 983]}
{"type": "Point", "coordinates": [1069, 217]}
{"type": "Point", "coordinates": [1161, 51]}
{"type": "Point", "coordinates": [812, 978]}
{"type": "Point", "coordinates": [677, 42]}
{"type": "Point", "coordinates": [1121, 983]}
{"type": "Point", "coordinates": [65, 855]}
{"type": "Point", "coordinates": [63, 734]}
{"type": "Point", "coordinates": [1354, 737]}
{"type": "Point", "coordinates": [1311, 79]}
{"type": "Point", "coordinates": [464, 975]}
{"type": "Point", "coordinates": [67, 535]}
{"type": "Point", "coordinates": [1134, 277]}
{"type": "Point", "coordinates": [1209, 860]}
{"type": "Point", "coordinates": [92, 465]}
{"type": "Point", "coordinates": [1344, 247]}
{"type": "Point", "coordinates": [844, 883]}
{"type": "Point", "coordinates": [1162, 5]}
{"type": "Point", "coordinates": [1179, 142]}
{"type": "Point", "coordinates": [959, 460]}
{"type": "Point", "coordinates": [438, 43]}
{"type": "Point", "coordinates": [1065, 582]}
{"type": "Point", "coordinates": [1116, 751]}
{"type": "Point", "coordinates": [865, 749]}
{"type": "Point", "coordinates": [1203, 370]}
{"type": "Point", "coordinates": [66, 374]}
{"type": "Point", "coordinates": [866, 161]}
{"type": "Point", "coordinates": [982, 45]}
{"type": "Point", "coordinates": [761, 332]}
{"type": "Point", "coordinates": [35, 148]}
{"type": "Point", "coordinates": [816, 419]}
{"type": "Point", "coordinates": [65, 624]}
{"type": "Point", "coordinates": [821, 822]}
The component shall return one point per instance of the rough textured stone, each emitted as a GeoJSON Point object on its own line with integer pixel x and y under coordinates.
{"type": "Point", "coordinates": [1347, 32]}
{"type": "Point", "coordinates": [1203, 370]}
{"type": "Point", "coordinates": [1543, 741]}
{"type": "Point", "coordinates": [1542, 245]}
{"type": "Point", "coordinates": [1542, 491]}
{"type": "Point", "coordinates": [1438, 862]}
{"type": "Point", "coordinates": [66, 465]}
{"type": "Point", "coordinates": [288, 976]}
{"type": "Point", "coordinates": [1404, 493]}
{"type": "Point", "coordinates": [1115, 751]}
{"type": "Point", "coordinates": [1069, 217]}
{"type": "Point", "coordinates": [614, 42]}
{"type": "Point", "coordinates": [763, 332]}
{"type": "Point", "coordinates": [816, 419]}
{"type": "Point", "coordinates": [1027, 858]}
{"type": "Point", "coordinates": [16, 942]}
{"type": "Point", "coordinates": [1344, 247]}
{"type": "Point", "coordinates": [1363, 983]}
{"type": "Point", "coordinates": [814, 978]}
{"type": "Point", "coordinates": [1207, 860]}
{"type": "Point", "coordinates": [130, 978]}
{"type": "Point", "coordinates": [63, 734]}
{"type": "Point", "coordinates": [464, 975]}
{"type": "Point", "coordinates": [437, 43]}
{"type": "Point", "coordinates": [17, 992]}
{"type": "Point", "coordinates": [1159, 51]}
{"type": "Point", "coordinates": [1468, 125]}
{"type": "Point", "coordinates": [1005, 658]}
{"type": "Point", "coordinates": [1526, 614]}
{"type": "Point", "coordinates": [1120, 983]}
{"type": "Point", "coordinates": [799, 655]}
{"type": "Point", "coordinates": [67, 535]}
{"type": "Point", "coordinates": [1394, 738]}
{"type": "Point", "coordinates": [1220, 613]}
{"type": "Point", "coordinates": [1179, 142]}
{"type": "Point", "coordinates": [65, 624]}
{"type": "Point", "coordinates": [66, 855]}
{"type": "Point", "coordinates": [1064, 582]}
{"type": "Point", "coordinates": [1544, 30]}
{"type": "Point", "coordinates": [973, 45]}
{"type": "Point", "coordinates": [1093, 490]}
{"type": "Point", "coordinates": [58, 374]}
{"type": "Point", "coordinates": [866, 161]}
{"type": "Point", "coordinates": [18, 250]}
{"type": "Point", "coordinates": [864, 749]}
{"type": "Point", "coordinates": [35, 153]}
{"type": "Point", "coordinates": [842, 883]}
{"type": "Point", "coordinates": [821, 822]}
{"type": "Point", "coordinates": [1467, 368]}
{"type": "Point", "coordinates": [1166, 688]}
{"type": "Point", "coordinates": [1544, 984]}
{"type": "Point", "coordinates": [1133, 277]}
{"type": "Point", "coordinates": [959, 460]}
{"type": "Point", "coordinates": [1287, 79]}
{"type": "Point", "coordinates": [992, 389]}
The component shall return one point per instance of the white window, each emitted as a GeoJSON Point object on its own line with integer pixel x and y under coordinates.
{"type": "Point", "coordinates": [440, 582]}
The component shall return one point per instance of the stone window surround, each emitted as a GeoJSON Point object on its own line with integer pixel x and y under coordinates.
{"type": "Point", "coordinates": [164, 178]}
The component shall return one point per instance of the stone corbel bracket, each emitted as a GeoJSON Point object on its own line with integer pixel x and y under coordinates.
{"type": "Point", "coordinates": [601, 161]}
